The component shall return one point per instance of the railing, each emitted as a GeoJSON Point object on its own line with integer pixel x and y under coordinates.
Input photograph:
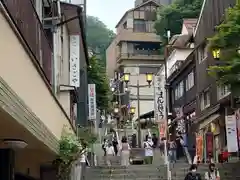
{"type": "Point", "coordinates": [26, 19]}
{"type": "Point", "coordinates": [143, 54]}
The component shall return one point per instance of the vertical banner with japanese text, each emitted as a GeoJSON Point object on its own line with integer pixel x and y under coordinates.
{"type": "Point", "coordinates": [231, 132]}
{"type": "Point", "coordinates": [92, 106]}
{"type": "Point", "coordinates": [199, 147]}
{"type": "Point", "coordinates": [74, 62]}
{"type": "Point", "coordinates": [160, 104]}
{"type": "Point", "coordinates": [237, 116]}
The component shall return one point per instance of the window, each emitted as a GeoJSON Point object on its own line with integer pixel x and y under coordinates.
{"type": "Point", "coordinates": [202, 53]}
{"type": "Point", "coordinates": [222, 91]}
{"type": "Point", "coordinates": [178, 92]}
{"type": "Point", "coordinates": [139, 25]}
{"type": "Point", "coordinates": [205, 100]}
{"type": "Point", "coordinates": [190, 81]}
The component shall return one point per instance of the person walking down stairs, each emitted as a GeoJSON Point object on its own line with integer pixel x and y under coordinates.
{"type": "Point", "coordinates": [124, 152]}
{"type": "Point", "coordinates": [193, 174]}
{"type": "Point", "coordinates": [110, 154]}
{"type": "Point", "coordinates": [148, 146]}
{"type": "Point", "coordinates": [212, 173]}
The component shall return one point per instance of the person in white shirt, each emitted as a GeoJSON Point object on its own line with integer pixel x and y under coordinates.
{"type": "Point", "coordinates": [83, 162]}
{"type": "Point", "coordinates": [124, 150]}
{"type": "Point", "coordinates": [212, 173]}
{"type": "Point", "coordinates": [148, 146]}
{"type": "Point", "coordinates": [110, 153]}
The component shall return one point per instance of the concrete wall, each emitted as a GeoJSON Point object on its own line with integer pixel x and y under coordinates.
{"type": "Point", "coordinates": [29, 84]}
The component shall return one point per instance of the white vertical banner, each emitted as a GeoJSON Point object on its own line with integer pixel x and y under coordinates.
{"type": "Point", "coordinates": [92, 105]}
{"type": "Point", "coordinates": [160, 104]}
{"type": "Point", "coordinates": [74, 77]}
{"type": "Point", "coordinates": [231, 132]}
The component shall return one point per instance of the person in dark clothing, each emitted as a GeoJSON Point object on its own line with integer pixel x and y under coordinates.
{"type": "Point", "coordinates": [193, 174]}
{"type": "Point", "coordinates": [155, 140]}
{"type": "Point", "coordinates": [104, 146]}
{"type": "Point", "coordinates": [134, 141]}
{"type": "Point", "coordinates": [115, 145]}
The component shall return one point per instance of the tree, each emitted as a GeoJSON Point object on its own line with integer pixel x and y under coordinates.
{"type": "Point", "coordinates": [171, 16]}
{"type": "Point", "coordinates": [97, 76]}
{"type": "Point", "coordinates": [227, 41]}
{"type": "Point", "coordinates": [98, 37]}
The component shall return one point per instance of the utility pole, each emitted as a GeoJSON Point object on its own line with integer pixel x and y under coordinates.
{"type": "Point", "coordinates": [139, 123]}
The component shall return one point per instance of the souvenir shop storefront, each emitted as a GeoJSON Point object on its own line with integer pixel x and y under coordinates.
{"type": "Point", "coordinates": [216, 134]}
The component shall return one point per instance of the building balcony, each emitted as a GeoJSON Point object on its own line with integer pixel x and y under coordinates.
{"type": "Point", "coordinates": [129, 35]}
{"type": "Point", "coordinates": [141, 55]}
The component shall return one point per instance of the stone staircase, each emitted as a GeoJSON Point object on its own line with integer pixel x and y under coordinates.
{"type": "Point", "coordinates": [228, 171]}
{"type": "Point", "coordinates": [133, 172]}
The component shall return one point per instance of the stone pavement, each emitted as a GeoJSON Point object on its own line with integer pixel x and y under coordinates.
{"type": "Point", "coordinates": [228, 171]}
{"type": "Point", "coordinates": [156, 171]}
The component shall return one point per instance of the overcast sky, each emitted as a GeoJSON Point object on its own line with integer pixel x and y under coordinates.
{"type": "Point", "coordinates": [109, 11]}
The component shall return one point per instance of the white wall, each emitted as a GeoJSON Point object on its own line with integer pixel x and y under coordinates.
{"type": "Point", "coordinates": [145, 105]}
{"type": "Point", "coordinates": [176, 55]}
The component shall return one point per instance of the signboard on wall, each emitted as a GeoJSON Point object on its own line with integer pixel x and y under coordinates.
{"type": "Point", "coordinates": [92, 106]}
{"type": "Point", "coordinates": [231, 132]}
{"type": "Point", "coordinates": [74, 62]}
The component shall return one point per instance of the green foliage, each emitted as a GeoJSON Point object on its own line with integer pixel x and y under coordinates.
{"type": "Point", "coordinates": [171, 16]}
{"type": "Point", "coordinates": [97, 76]}
{"type": "Point", "coordinates": [98, 37]}
{"type": "Point", "coordinates": [227, 39]}
{"type": "Point", "coordinates": [70, 149]}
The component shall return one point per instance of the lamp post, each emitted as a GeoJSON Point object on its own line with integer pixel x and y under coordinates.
{"type": "Point", "coordinates": [149, 78]}
{"type": "Point", "coordinates": [116, 91]}
{"type": "Point", "coordinates": [132, 112]}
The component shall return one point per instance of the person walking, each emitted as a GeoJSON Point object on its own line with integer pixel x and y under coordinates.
{"type": "Point", "coordinates": [110, 153]}
{"type": "Point", "coordinates": [161, 146]}
{"type": "Point", "coordinates": [212, 173]}
{"type": "Point", "coordinates": [104, 146]}
{"type": "Point", "coordinates": [193, 174]}
{"type": "Point", "coordinates": [115, 145]}
{"type": "Point", "coordinates": [148, 146]}
{"type": "Point", "coordinates": [173, 151]}
{"type": "Point", "coordinates": [124, 152]}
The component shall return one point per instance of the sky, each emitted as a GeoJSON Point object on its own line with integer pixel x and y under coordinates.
{"type": "Point", "coordinates": [109, 11]}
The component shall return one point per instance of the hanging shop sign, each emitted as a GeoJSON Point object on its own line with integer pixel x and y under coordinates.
{"type": "Point", "coordinates": [231, 132]}
{"type": "Point", "coordinates": [159, 96]}
{"type": "Point", "coordinates": [237, 115]}
{"type": "Point", "coordinates": [92, 106]}
{"type": "Point", "coordinates": [199, 148]}
{"type": "Point", "coordinates": [209, 145]}
{"type": "Point", "coordinates": [74, 62]}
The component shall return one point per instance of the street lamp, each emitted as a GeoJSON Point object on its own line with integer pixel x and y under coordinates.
{"type": "Point", "coordinates": [216, 53]}
{"type": "Point", "coordinates": [116, 110]}
{"type": "Point", "coordinates": [149, 78]}
{"type": "Point", "coordinates": [132, 110]}
{"type": "Point", "coordinates": [126, 78]}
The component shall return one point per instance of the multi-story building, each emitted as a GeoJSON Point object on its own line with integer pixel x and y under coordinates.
{"type": "Point", "coordinates": [38, 97]}
{"type": "Point", "coordinates": [137, 50]}
{"type": "Point", "coordinates": [213, 102]}
{"type": "Point", "coordinates": [180, 82]}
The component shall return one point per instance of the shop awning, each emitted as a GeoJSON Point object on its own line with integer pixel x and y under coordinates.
{"type": "Point", "coordinates": [147, 115]}
{"type": "Point", "coordinates": [208, 120]}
